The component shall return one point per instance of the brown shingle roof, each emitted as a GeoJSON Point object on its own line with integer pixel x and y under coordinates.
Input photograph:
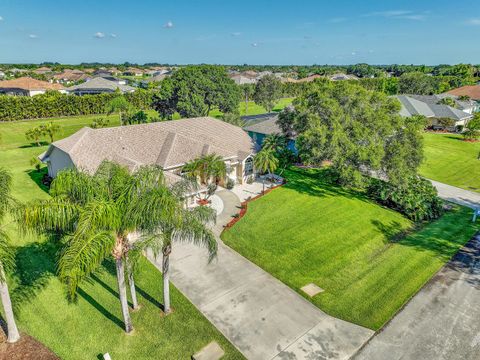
{"type": "Point", "coordinates": [168, 144]}
{"type": "Point", "coordinates": [473, 91]}
{"type": "Point", "coordinates": [27, 83]}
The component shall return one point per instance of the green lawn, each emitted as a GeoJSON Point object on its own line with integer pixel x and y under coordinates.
{"type": "Point", "coordinates": [450, 160]}
{"type": "Point", "coordinates": [93, 325]}
{"type": "Point", "coordinates": [309, 231]}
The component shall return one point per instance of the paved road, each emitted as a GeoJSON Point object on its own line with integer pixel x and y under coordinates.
{"type": "Point", "coordinates": [442, 322]}
{"type": "Point", "coordinates": [457, 195]}
{"type": "Point", "coordinates": [261, 316]}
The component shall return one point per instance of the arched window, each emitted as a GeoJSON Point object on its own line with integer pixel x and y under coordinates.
{"type": "Point", "coordinates": [248, 170]}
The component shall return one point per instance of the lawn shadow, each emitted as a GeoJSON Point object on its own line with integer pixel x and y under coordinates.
{"type": "Point", "coordinates": [107, 287]}
{"type": "Point", "coordinates": [100, 308]}
{"type": "Point", "coordinates": [393, 231]}
{"type": "Point", "coordinates": [110, 267]}
{"type": "Point", "coordinates": [32, 145]}
{"type": "Point", "coordinates": [318, 182]}
{"type": "Point", "coordinates": [35, 265]}
{"type": "Point", "coordinates": [37, 177]}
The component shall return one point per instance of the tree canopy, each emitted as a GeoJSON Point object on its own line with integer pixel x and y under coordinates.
{"type": "Point", "coordinates": [268, 91]}
{"type": "Point", "coordinates": [357, 130]}
{"type": "Point", "coordinates": [195, 90]}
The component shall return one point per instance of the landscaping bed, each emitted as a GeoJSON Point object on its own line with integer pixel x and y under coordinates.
{"type": "Point", "coordinates": [310, 231]}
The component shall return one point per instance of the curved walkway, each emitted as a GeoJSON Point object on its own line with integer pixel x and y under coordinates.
{"type": "Point", "coordinates": [261, 316]}
{"type": "Point", "coordinates": [457, 195]}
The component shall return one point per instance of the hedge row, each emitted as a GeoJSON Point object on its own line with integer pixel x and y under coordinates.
{"type": "Point", "coordinates": [55, 104]}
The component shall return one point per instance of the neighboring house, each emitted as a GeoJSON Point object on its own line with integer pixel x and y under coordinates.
{"type": "Point", "coordinates": [42, 70]}
{"type": "Point", "coordinates": [2, 75]}
{"type": "Point", "coordinates": [133, 72]}
{"type": "Point", "coordinates": [342, 76]}
{"type": "Point", "coordinates": [426, 106]}
{"type": "Point", "coordinates": [69, 76]}
{"type": "Point", "coordinates": [100, 85]}
{"type": "Point", "coordinates": [168, 144]}
{"type": "Point", "coordinates": [468, 106]}
{"type": "Point", "coordinates": [472, 91]}
{"type": "Point", "coordinates": [241, 79]}
{"type": "Point", "coordinates": [259, 126]}
{"type": "Point", "coordinates": [26, 86]}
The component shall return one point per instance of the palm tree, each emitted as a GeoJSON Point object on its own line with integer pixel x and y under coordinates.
{"type": "Point", "coordinates": [189, 227]}
{"type": "Point", "coordinates": [97, 214]}
{"type": "Point", "coordinates": [6, 257]}
{"type": "Point", "coordinates": [275, 142]}
{"type": "Point", "coordinates": [208, 169]}
{"type": "Point", "coordinates": [266, 161]}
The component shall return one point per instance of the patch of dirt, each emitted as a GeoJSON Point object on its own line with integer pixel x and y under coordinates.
{"type": "Point", "coordinates": [27, 348]}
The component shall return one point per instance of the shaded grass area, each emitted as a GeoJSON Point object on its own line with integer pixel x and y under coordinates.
{"type": "Point", "coordinates": [93, 325]}
{"type": "Point", "coordinates": [310, 231]}
{"type": "Point", "coordinates": [451, 160]}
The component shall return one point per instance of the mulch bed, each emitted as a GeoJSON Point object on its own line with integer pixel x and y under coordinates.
{"type": "Point", "coordinates": [27, 348]}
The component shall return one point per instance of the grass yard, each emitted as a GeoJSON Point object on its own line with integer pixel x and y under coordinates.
{"type": "Point", "coordinates": [93, 325]}
{"type": "Point", "coordinates": [309, 231]}
{"type": "Point", "coordinates": [452, 161]}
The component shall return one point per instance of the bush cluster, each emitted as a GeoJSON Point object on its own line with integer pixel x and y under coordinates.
{"type": "Point", "coordinates": [417, 199]}
{"type": "Point", "coordinates": [54, 104]}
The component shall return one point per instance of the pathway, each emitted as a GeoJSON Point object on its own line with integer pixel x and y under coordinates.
{"type": "Point", "coordinates": [261, 316]}
{"type": "Point", "coordinates": [457, 195]}
{"type": "Point", "coordinates": [442, 321]}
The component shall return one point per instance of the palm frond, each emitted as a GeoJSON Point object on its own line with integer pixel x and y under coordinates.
{"type": "Point", "coordinates": [5, 186]}
{"type": "Point", "coordinates": [57, 214]}
{"type": "Point", "coordinates": [81, 256]}
{"type": "Point", "coordinates": [98, 215]}
{"type": "Point", "coordinates": [77, 186]}
{"type": "Point", "coordinates": [204, 214]}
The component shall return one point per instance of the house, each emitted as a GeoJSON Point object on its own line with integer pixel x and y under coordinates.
{"type": "Point", "coordinates": [168, 144]}
{"type": "Point", "coordinates": [426, 106]}
{"type": "Point", "coordinates": [241, 79]}
{"type": "Point", "coordinates": [342, 76]}
{"type": "Point", "coordinates": [69, 76]}
{"type": "Point", "coordinates": [133, 72]}
{"type": "Point", "coordinates": [259, 126]}
{"type": "Point", "coordinates": [100, 85]}
{"type": "Point", "coordinates": [472, 91]}
{"type": "Point", "coordinates": [2, 74]}
{"type": "Point", "coordinates": [26, 86]}
{"type": "Point", "coordinates": [42, 70]}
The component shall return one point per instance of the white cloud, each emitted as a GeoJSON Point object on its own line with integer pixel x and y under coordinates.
{"type": "Point", "coordinates": [399, 14]}
{"type": "Point", "coordinates": [113, 35]}
{"type": "Point", "coordinates": [254, 44]}
{"type": "Point", "coordinates": [1, 18]}
{"type": "Point", "coordinates": [236, 33]}
{"type": "Point", "coordinates": [168, 25]}
{"type": "Point", "coordinates": [475, 22]}
{"type": "Point", "coordinates": [33, 36]}
{"type": "Point", "coordinates": [99, 35]}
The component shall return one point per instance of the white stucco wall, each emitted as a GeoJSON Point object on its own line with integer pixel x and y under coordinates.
{"type": "Point", "coordinates": [58, 160]}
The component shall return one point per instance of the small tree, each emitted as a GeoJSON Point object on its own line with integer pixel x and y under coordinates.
{"type": "Point", "coordinates": [247, 93]}
{"type": "Point", "coordinates": [7, 260]}
{"type": "Point", "coordinates": [50, 129]}
{"type": "Point", "coordinates": [34, 134]}
{"type": "Point", "coordinates": [139, 117]}
{"type": "Point", "coordinates": [268, 91]}
{"type": "Point", "coordinates": [100, 123]}
{"type": "Point", "coordinates": [446, 122]}
{"type": "Point", "coordinates": [472, 129]}
{"type": "Point", "coordinates": [118, 105]}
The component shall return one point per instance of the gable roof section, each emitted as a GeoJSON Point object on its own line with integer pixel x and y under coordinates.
{"type": "Point", "coordinates": [411, 105]}
{"type": "Point", "coordinates": [28, 83]}
{"type": "Point", "coordinates": [473, 91]}
{"type": "Point", "coordinates": [100, 83]}
{"type": "Point", "coordinates": [168, 144]}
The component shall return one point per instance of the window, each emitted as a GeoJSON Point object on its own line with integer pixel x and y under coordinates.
{"type": "Point", "coordinates": [248, 166]}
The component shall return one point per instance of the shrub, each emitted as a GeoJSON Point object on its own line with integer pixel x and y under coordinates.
{"type": "Point", "coordinates": [100, 123]}
{"type": "Point", "coordinates": [230, 184]}
{"type": "Point", "coordinates": [417, 199]}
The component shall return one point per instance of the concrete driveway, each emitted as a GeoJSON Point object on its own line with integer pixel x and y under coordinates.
{"type": "Point", "coordinates": [442, 322]}
{"type": "Point", "coordinates": [457, 195]}
{"type": "Point", "coordinates": [261, 316]}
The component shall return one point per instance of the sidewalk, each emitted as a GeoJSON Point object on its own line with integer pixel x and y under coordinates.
{"type": "Point", "coordinates": [457, 195]}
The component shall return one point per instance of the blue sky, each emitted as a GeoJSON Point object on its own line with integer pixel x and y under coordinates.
{"type": "Point", "coordinates": [237, 32]}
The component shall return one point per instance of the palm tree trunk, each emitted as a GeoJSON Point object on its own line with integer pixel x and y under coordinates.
{"type": "Point", "coordinates": [122, 292]}
{"type": "Point", "coordinates": [166, 278]}
{"type": "Point", "coordinates": [13, 334]}
{"type": "Point", "coordinates": [131, 283]}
